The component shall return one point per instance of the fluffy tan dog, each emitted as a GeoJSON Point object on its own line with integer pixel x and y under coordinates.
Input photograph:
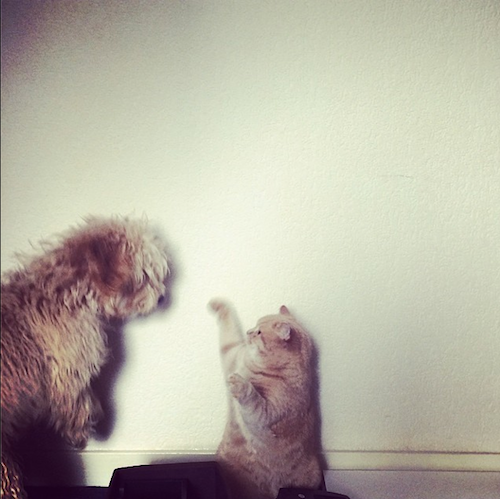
{"type": "Point", "coordinates": [54, 309]}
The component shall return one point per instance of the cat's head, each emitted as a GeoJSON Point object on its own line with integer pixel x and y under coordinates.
{"type": "Point", "coordinates": [278, 338]}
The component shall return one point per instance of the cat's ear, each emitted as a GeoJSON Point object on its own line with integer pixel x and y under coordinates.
{"type": "Point", "coordinates": [283, 330]}
{"type": "Point", "coordinates": [284, 310]}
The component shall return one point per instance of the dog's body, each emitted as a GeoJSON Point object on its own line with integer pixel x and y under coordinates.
{"type": "Point", "coordinates": [54, 309]}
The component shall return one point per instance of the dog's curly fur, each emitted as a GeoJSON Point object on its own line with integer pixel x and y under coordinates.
{"type": "Point", "coordinates": [55, 306]}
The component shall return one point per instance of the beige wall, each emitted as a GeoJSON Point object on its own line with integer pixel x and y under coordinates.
{"type": "Point", "coordinates": [341, 157]}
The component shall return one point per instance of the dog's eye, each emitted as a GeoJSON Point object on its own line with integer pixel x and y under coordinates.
{"type": "Point", "coordinates": [129, 288]}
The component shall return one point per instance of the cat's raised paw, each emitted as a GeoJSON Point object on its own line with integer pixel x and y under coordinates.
{"type": "Point", "coordinates": [219, 306]}
{"type": "Point", "coordinates": [238, 386]}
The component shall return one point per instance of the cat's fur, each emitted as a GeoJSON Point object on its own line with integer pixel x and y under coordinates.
{"type": "Point", "coordinates": [270, 440]}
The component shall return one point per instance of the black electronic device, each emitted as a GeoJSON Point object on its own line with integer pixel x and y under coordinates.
{"type": "Point", "coordinates": [292, 493]}
{"type": "Point", "coordinates": [200, 480]}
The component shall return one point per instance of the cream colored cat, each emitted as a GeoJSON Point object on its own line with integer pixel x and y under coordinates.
{"type": "Point", "coordinates": [270, 440]}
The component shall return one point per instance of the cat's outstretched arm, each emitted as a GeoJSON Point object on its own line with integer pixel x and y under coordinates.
{"type": "Point", "coordinates": [231, 336]}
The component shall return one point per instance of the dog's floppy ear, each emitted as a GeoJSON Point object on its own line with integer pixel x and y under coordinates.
{"type": "Point", "coordinates": [104, 260]}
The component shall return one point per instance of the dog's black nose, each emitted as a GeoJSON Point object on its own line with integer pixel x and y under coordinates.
{"type": "Point", "coordinates": [161, 300]}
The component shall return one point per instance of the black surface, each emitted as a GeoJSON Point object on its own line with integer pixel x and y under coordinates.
{"type": "Point", "coordinates": [198, 480]}
{"type": "Point", "coordinates": [293, 493]}
{"type": "Point", "coordinates": [67, 492]}
{"type": "Point", "coordinates": [155, 489]}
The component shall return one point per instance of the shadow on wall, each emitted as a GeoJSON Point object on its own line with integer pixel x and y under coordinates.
{"type": "Point", "coordinates": [62, 468]}
{"type": "Point", "coordinates": [315, 396]}
{"type": "Point", "coordinates": [45, 458]}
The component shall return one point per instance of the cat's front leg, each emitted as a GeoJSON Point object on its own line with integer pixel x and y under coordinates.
{"type": "Point", "coordinates": [254, 407]}
{"type": "Point", "coordinates": [241, 389]}
{"type": "Point", "coordinates": [230, 336]}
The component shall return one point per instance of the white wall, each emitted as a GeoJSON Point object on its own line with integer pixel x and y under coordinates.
{"type": "Point", "coordinates": [340, 157]}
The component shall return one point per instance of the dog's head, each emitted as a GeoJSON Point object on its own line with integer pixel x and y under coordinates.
{"type": "Point", "coordinates": [125, 263]}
